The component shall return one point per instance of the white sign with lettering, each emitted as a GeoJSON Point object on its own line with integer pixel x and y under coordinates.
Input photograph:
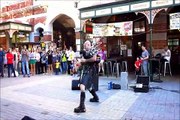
{"type": "Point", "coordinates": [103, 11]}
{"type": "Point", "coordinates": [14, 26]}
{"type": "Point", "coordinates": [120, 9]}
{"type": "Point", "coordinates": [159, 3]}
{"type": "Point", "coordinates": [140, 6]}
{"type": "Point", "coordinates": [174, 21]}
{"type": "Point", "coordinates": [87, 14]}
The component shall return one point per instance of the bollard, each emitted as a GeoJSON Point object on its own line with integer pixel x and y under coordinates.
{"type": "Point", "coordinates": [124, 80]}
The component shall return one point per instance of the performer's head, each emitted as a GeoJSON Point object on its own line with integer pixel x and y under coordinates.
{"type": "Point", "coordinates": [87, 45]}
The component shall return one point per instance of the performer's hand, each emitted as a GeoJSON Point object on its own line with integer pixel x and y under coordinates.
{"type": "Point", "coordinates": [83, 60]}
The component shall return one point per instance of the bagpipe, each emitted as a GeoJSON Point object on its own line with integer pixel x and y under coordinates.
{"type": "Point", "coordinates": [93, 51]}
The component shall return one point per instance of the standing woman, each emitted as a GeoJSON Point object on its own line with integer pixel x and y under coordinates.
{"type": "Point", "coordinates": [10, 59]}
{"type": "Point", "coordinates": [50, 66]}
{"type": "Point", "coordinates": [32, 61]}
{"type": "Point", "coordinates": [15, 58]}
{"type": "Point", "coordinates": [102, 59]}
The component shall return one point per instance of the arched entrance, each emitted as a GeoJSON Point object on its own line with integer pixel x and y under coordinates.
{"type": "Point", "coordinates": [63, 31]}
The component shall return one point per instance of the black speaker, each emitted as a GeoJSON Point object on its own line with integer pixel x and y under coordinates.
{"type": "Point", "coordinates": [142, 84]}
{"type": "Point", "coordinates": [75, 85]}
{"type": "Point", "coordinates": [27, 118]}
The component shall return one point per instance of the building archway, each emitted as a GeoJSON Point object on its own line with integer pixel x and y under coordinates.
{"type": "Point", "coordinates": [63, 31]}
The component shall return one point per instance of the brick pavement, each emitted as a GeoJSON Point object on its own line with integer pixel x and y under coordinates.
{"type": "Point", "coordinates": [51, 98]}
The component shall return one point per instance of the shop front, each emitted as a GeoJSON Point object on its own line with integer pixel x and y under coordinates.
{"type": "Point", "coordinates": [124, 26]}
{"type": "Point", "coordinates": [14, 34]}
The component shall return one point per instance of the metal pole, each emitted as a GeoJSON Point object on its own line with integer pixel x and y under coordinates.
{"type": "Point", "coordinates": [150, 28]}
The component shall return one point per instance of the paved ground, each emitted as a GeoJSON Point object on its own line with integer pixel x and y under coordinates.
{"type": "Point", "coordinates": [49, 97]}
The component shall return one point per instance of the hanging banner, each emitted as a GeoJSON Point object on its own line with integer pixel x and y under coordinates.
{"type": "Point", "coordinates": [113, 29]}
{"type": "Point", "coordinates": [174, 21]}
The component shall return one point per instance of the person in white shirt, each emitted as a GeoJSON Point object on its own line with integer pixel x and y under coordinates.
{"type": "Point", "coordinates": [166, 55]}
{"type": "Point", "coordinates": [15, 58]}
{"type": "Point", "coordinates": [71, 56]}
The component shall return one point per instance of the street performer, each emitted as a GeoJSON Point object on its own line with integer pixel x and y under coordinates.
{"type": "Point", "coordinates": [89, 71]}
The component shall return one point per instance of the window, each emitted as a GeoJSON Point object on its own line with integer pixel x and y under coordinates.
{"type": "Point", "coordinates": [173, 45]}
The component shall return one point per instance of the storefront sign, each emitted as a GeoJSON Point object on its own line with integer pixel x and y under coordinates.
{"type": "Point", "coordinates": [140, 6]}
{"type": "Point", "coordinates": [159, 3]}
{"type": "Point", "coordinates": [120, 9]}
{"type": "Point", "coordinates": [21, 27]}
{"type": "Point", "coordinates": [113, 29]}
{"type": "Point", "coordinates": [14, 26]}
{"type": "Point", "coordinates": [103, 11]}
{"type": "Point", "coordinates": [87, 14]}
{"type": "Point", "coordinates": [28, 28]}
{"type": "Point", "coordinates": [128, 7]}
{"type": "Point", "coordinates": [174, 21]}
{"type": "Point", "coordinates": [17, 6]}
{"type": "Point", "coordinates": [4, 27]}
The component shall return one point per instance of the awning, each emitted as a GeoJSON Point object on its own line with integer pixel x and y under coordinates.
{"type": "Point", "coordinates": [15, 25]}
{"type": "Point", "coordinates": [121, 7]}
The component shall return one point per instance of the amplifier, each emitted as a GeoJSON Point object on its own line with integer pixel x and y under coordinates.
{"type": "Point", "coordinates": [142, 84]}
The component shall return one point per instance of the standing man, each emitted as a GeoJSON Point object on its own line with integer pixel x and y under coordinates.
{"type": "Point", "coordinates": [2, 54]}
{"type": "Point", "coordinates": [144, 58]}
{"type": "Point", "coordinates": [88, 75]}
{"type": "Point", "coordinates": [25, 61]}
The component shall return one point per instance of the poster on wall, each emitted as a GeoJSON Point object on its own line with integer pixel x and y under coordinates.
{"type": "Point", "coordinates": [129, 52]}
{"type": "Point", "coordinates": [139, 26]}
{"type": "Point", "coordinates": [174, 21]}
{"type": "Point", "coordinates": [113, 29]}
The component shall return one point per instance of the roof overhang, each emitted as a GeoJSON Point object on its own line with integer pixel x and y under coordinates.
{"type": "Point", "coordinates": [15, 26]}
{"type": "Point", "coordinates": [125, 6]}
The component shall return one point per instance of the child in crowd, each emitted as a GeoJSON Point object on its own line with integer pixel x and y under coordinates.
{"type": "Point", "coordinates": [57, 65]}
{"type": "Point", "coordinates": [137, 65]}
{"type": "Point", "coordinates": [76, 66]}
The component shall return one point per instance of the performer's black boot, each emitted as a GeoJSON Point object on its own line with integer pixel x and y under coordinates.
{"type": "Point", "coordinates": [81, 107]}
{"type": "Point", "coordinates": [95, 97]}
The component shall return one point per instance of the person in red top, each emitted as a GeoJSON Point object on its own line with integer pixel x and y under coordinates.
{"type": "Point", "coordinates": [10, 59]}
{"type": "Point", "coordinates": [137, 65]}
